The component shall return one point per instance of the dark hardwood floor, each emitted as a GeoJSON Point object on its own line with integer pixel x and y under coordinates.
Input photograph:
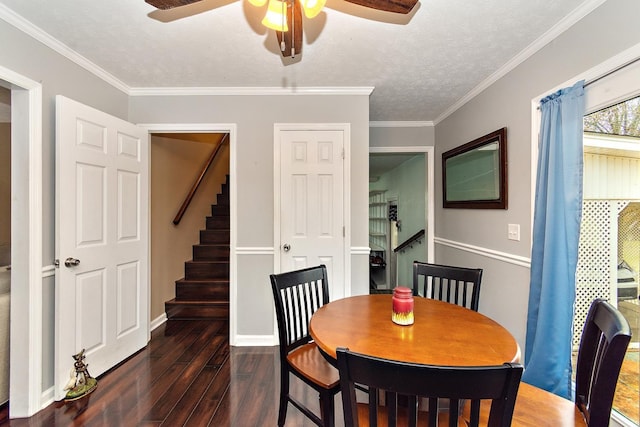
{"type": "Point", "coordinates": [188, 375]}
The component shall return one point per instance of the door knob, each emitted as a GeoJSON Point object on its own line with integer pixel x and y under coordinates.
{"type": "Point", "coordinates": [71, 262]}
{"type": "Point", "coordinates": [286, 247]}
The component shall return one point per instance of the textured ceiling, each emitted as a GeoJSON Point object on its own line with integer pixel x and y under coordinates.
{"type": "Point", "coordinates": [420, 64]}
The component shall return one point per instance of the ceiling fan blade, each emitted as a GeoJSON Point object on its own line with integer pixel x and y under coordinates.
{"type": "Point", "coordinates": [170, 4]}
{"type": "Point", "coordinates": [294, 22]}
{"type": "Point", "coordinates": [395, 6]}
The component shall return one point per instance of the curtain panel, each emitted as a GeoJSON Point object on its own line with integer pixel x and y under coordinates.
{"type": "Point", "coordinates": [556, 231]}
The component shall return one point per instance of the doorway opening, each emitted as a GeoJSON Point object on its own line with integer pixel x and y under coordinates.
{"type": "Point", "coordinates": [182, 286]}
{"type": "Point", "coordinates": [400, 214]}
{"type": "Point", "coordinates": [26, 380]}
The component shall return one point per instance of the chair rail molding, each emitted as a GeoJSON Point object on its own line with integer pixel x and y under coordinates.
{"type": "Point", "coordinates": [489, 253]}
{"type": "Point", "coordinates": [360, 250]}
{"type": "Point", "coordinates": [254, 250]}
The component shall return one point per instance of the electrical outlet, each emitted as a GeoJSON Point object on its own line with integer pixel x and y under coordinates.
{"type": "Point", "coordinates": [513, 232]}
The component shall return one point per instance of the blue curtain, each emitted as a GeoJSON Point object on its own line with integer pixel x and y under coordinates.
{"type": "Point", "coordinates": [556, 231]}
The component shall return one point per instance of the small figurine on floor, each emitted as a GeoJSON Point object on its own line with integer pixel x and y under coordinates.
{"type": "Point", "coordinates": [81, 383]}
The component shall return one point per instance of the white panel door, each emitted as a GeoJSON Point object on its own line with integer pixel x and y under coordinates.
{"type": "Point", "coordinates": [102, 196]}
{"type": "Point", "coordinates": [311, 203]}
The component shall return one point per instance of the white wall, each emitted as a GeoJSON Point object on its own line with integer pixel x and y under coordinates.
{"type": "Point", "coordinates": [608, 30]}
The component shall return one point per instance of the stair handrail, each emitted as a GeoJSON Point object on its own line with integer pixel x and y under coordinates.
{"type": "Point", "coordinates": [418, 236]}
{"type": "Point", "coordinates": [196, 184]}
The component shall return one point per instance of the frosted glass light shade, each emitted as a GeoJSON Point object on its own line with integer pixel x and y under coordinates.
{"type": "Point", "coordinates": [258, 3]}
{"type": "Point", "coordinates": [312, 7]}
{"type": "Point", "coordinates": [276, 18]}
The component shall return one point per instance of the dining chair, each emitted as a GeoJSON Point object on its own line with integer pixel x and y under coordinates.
{"type": "Point", "coordinates": [297, 295]}
{"type": "Point", "coordinates": [457, 285]}
{"type": "Point", "coordinates": [403, 385]}
{"type": "Point", "coordinates": [605, 337]}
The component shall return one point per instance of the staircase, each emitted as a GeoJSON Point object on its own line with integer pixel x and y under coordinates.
{"type": "Point", "coordinates": [203, 293]}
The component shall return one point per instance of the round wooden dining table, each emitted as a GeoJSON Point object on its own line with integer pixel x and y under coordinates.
{"type": "Point", "coordinates": [442, 333]}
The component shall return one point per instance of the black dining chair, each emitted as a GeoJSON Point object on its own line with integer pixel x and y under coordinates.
{"type": "Point", "coordinates": [456, 285]}
{"type": "Point", "coordinates": [297, 295]}
{"type": "Point", "coordinates": [445, 388]}
{"type": "Point", "coordinates": [605, 338]}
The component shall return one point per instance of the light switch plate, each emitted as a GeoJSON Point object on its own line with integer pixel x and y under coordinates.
{"type": "Point", "coordinates": [514, 232]}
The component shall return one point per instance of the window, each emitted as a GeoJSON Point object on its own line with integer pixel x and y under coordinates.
{"type": "Point", "coordinates": [609, 250]}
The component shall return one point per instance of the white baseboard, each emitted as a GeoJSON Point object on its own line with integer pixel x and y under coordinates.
{"type": "Point", "coordinates": [255, 341]}
{"type": "Point", "coordinates": [46, 398]}
{"type": "Point", "coordinates": [157, 321]}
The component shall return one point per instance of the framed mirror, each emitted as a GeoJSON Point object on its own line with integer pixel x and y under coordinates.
{"type": "Point", "coordinates": [474, 175]}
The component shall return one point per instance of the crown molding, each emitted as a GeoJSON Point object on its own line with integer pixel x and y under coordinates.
{"type": "Point", "coordinates": [45, 38]}
{"type": "Point", "coordinates": [400, 124]}
{"type": "Point", "coordinates": [249, 91]}
{"type": "Point", "coordinates": [567, 22]}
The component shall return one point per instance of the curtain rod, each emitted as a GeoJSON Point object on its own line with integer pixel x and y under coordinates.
{"type": "Point", "coordinates": [615, 70]}
{"type": "Point", "coordinates": [607, 74]}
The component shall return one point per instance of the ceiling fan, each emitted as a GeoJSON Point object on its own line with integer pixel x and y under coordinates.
{"type": "Point", "coordinates": [285, 16]}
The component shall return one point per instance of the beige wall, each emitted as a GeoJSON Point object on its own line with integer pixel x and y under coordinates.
{"type": "Point", "coordinates": [176, 162]}
{"type": "Point", "coordinates": [5, 193]}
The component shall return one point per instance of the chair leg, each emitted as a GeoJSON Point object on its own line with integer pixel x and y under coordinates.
{"type": "Point", "coordinates": [284, 393]}
{"type": "Point", "coordinates": [327, 410]}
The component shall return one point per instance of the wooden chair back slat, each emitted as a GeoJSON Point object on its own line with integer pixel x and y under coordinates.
{"type": "Point", "coordinates": [605, 338]}
{"type": "Point", "coordinates": [410, 381]}
{"type": "Point", "coordinates": [455, 285]}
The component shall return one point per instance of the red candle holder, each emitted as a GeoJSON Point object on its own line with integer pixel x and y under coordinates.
{"type": "Point", "coordinates": [402, 300]}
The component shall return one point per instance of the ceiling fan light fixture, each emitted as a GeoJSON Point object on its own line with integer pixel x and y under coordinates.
{"type": "Point", "coordinates": [276, 18]}
{"type": "Point", "coordinates": [312, 7]}
{"type": "Point", "coordinates": [258, 3]}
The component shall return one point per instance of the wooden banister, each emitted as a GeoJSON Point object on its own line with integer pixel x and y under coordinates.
{"type": "Point", "coordinates": [196, 184]}
{"type": "Point", "coordinates": [418, 236]}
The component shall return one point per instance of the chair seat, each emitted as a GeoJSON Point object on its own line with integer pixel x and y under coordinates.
{"type": "Point", "coordinates": [309, 362]}
{"type": "Point", "coordinates": [536, 407]}
{"type": "Point", "coordinates": [423, 417]}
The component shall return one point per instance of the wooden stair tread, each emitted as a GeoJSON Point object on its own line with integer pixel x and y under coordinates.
{"type": "Point", "coordinates": [198, 302]}
{"type": "Point", "coordinates": [203, 281]}
{"type": "Point", "coordinates": [203, 292]}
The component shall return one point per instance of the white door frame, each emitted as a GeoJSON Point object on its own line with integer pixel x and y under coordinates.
{"type": "Point", "coordinates": [231, 129]}
{"type": "Point", "coordinates": [429, 214]}
{"type": "Point", "coordinates": [25, 382]}
{"type": "Point", "coordinates": [346, 195]}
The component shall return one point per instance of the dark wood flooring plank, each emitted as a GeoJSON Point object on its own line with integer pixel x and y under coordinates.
{"type": "Point", "coordinates": [188, 375]}
{"type": "Point", "coordinates": [257, 401]}
{"type": "Point", "coordinates": [212, 398]}
{"type": "Point", "coordinates": [207, 345]}
{"type": "Point", "coordinates": [185, 406]}
{"type": "Point", "coordinates": [164, 337]}
{"type": "Point", "coordinates": [129, 380]}
{"type": "Point", "coordinates": [144, 401]}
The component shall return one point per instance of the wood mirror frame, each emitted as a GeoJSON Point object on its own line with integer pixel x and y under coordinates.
{"type": "Point", "coordinates": [474, 175]}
